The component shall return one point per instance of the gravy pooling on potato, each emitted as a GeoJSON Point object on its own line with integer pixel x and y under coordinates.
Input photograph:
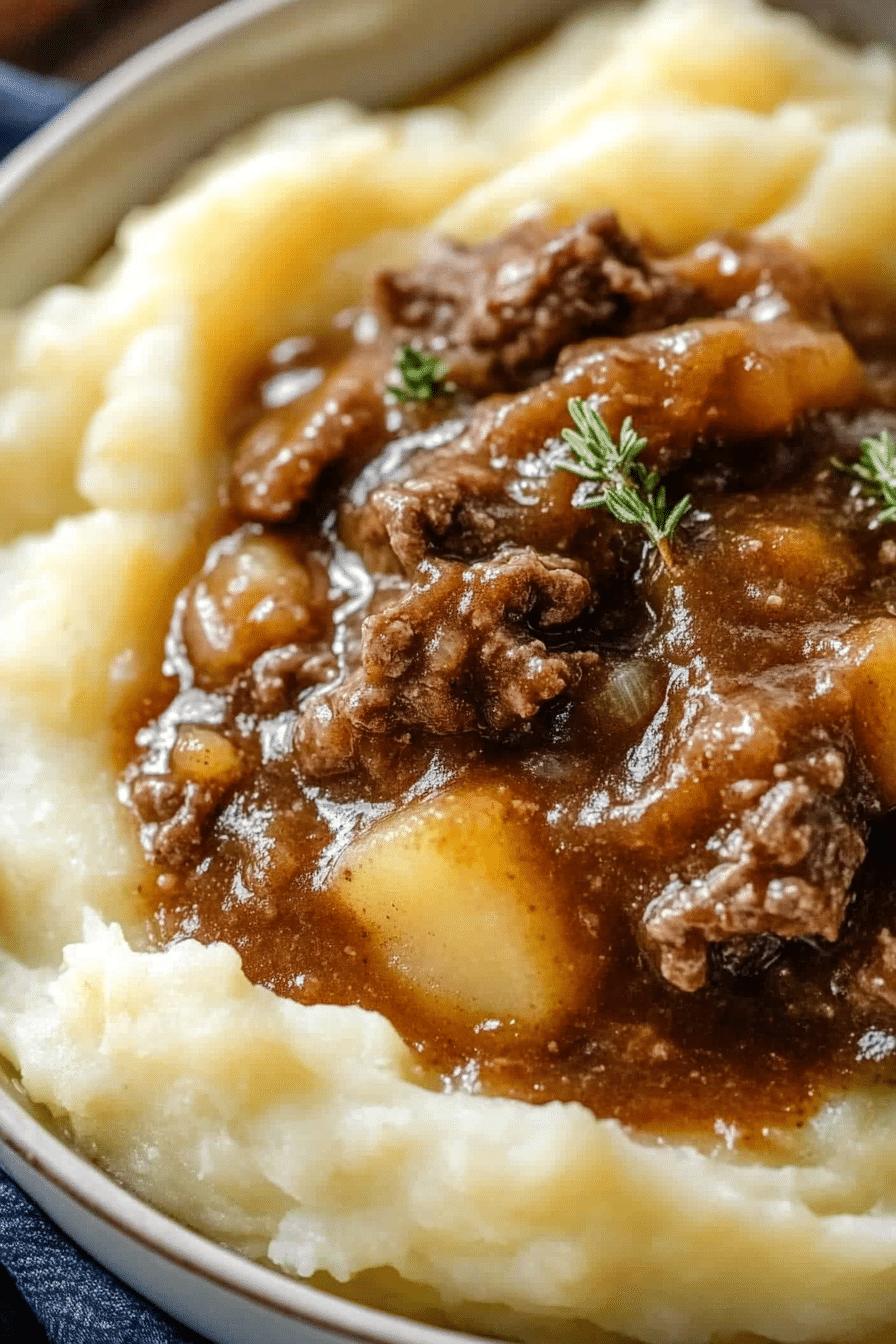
{"type": "Point", "coordinates": [443, 744]}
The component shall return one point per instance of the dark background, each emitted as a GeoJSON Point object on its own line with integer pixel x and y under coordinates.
{"type": "Point", "coordinates": [82, 39]}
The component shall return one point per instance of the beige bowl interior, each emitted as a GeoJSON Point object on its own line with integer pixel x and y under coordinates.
{"type": "Point", "coordinates": [128, 136]}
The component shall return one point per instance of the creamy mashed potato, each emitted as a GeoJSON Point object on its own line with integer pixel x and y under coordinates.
{"type": "Point", "coordinates": [307, 1136]}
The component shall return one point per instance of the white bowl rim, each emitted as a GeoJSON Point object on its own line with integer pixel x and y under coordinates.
{"type": "Point", "coordinates": [94, 100]}
{"type": "Point", "coordinates": [51, 1158]}
{"type": "Point", "coordinates": [98, 1194]}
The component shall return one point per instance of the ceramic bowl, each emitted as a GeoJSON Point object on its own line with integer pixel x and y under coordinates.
{"type": "Point", "coordinates": [61, 196]}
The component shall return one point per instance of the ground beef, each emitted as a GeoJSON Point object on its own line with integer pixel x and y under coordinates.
{"type": "Point", "coordinates": [784, 868]}
{"type": "Point", "coordinates": [176, 804]}
{"type": "Point", "coordinates": [458, 653]}
{"type": "Point", "coordinates": [175, 816]}
{"type": "Point", "coordinates": [500, 313]}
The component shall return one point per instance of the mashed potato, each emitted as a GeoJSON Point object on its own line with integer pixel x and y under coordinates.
{"type": "Point", "coordinates": [308, 1136]}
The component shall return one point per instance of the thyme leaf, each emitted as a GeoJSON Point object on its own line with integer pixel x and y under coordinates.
{"type": "Point", "coordinates": [876, 470]}
{"type": "Point", "coordinates": [422, 376]}
{"type": "Point", "coordinates": [627, 489]}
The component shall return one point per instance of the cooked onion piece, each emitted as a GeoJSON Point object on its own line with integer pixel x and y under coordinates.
{"type": "Point", "coordinates": [250, 599]}
{"type": "Point", "coordinates": [203, 756]}
{"type": "Point", "coordinates": [629, 697]}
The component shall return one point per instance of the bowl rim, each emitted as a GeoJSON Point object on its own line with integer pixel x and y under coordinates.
{"type": "Point", "coordinates": [127, 1214]}
{"type": "Point", "coordinates": [52, 1159]}
{"type": "Point", "coordinates": [94, 100]}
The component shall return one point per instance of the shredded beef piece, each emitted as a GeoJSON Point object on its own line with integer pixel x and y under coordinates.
{"type": "Point", "coordinates": [764, 279]}
{"type": "Point", "coordinates": [505, 309]}
{"type": "Point", "coordinates": [174, 815]}
{"type": "Point", "coordinates": [497, 484]}
{"type": "Point", "coordinates": [456, 654]}
{"type": "Point", "coordinates": [278, 671]}
{"type": "Point", "coordinates": [278, 463]}
{"type": "Point", "coordinates": [784, 868]}
{"type": "Point", "coordinates": [415, 518]}
{"type": "Point", "coordinates": [501, 312]}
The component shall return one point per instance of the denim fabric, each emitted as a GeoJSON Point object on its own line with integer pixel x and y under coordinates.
{"type": "Point", "coordinates": [26, 102]}
{"type": "Point", "coordinates": [70, 1299]}
{"type": "Point", "coordinates": [49, 1289]}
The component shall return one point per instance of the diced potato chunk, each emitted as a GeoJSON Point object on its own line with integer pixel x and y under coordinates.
{"type": "Point", "coordinates": [874, 702]}
{"type": "Point", "coordinates": [453, 900]}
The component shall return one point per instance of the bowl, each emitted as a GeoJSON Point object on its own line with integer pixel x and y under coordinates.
{"type": "Point", "coordinates": [61, 196]}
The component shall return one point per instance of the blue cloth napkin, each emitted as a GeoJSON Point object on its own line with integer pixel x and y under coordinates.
{"type": "Point", "coordinates": [49, 1289]}
{"type": "Point", "coordinates": [26, 102]}
{"type": "Point", "coordinates": [52, 1291]}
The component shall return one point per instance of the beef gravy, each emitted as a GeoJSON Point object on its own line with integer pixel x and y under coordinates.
{"type": "Point", "coordinates": [406, 602]}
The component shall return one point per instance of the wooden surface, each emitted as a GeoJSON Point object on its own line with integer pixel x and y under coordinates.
{"type": "Point", "coordinates": [82, 39]}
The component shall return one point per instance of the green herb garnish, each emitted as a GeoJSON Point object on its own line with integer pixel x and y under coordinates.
{"type": "Point", "coordinates": [422, 376]}
{"type": "Point", "coordinates": [876, 469]}
{"type": "Point", "coordinates": [630, 492]}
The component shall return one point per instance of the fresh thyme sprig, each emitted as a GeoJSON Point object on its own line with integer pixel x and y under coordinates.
{"type": "Point", "coordinates": [629, 491]}
{"type": "Point", "coordinates": [876, 469]}
{"type": "Point", "coordinates": [422, 376]}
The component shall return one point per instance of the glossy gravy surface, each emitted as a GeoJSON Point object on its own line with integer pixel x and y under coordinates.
{"type": "Point", "coordinates": [409, 632]}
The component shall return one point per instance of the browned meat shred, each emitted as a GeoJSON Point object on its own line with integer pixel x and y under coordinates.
{"type": "Point", "coordinates": [785, 868]}
{"type": "Point", "coordinates": [455, 654]}
{"type": "Point", "coordinates": [407, 599]}
{"type": "Point", "coordinates": [279, 461]}
{"type": "Point", "coordinates": [500, 313]}
{"type": "Point", "coordinates": [175, 806]}
{"type": "Point", "coordinates": [497, 482]}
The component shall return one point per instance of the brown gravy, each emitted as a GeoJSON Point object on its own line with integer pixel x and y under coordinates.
{"type": "Point", "coordinates": [406, 598]}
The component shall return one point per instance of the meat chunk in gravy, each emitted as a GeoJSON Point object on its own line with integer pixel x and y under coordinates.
{"type": "Point", "coordinates": [500, 314]}
{"type": "Point", "coordinates": [677, 775]}
{"type": "Point", "coordinates": [784, 866]}
{"type": "Point", "coordinates": [497, 482]}
{"type": "Point", "coordinates": [458, 653]}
